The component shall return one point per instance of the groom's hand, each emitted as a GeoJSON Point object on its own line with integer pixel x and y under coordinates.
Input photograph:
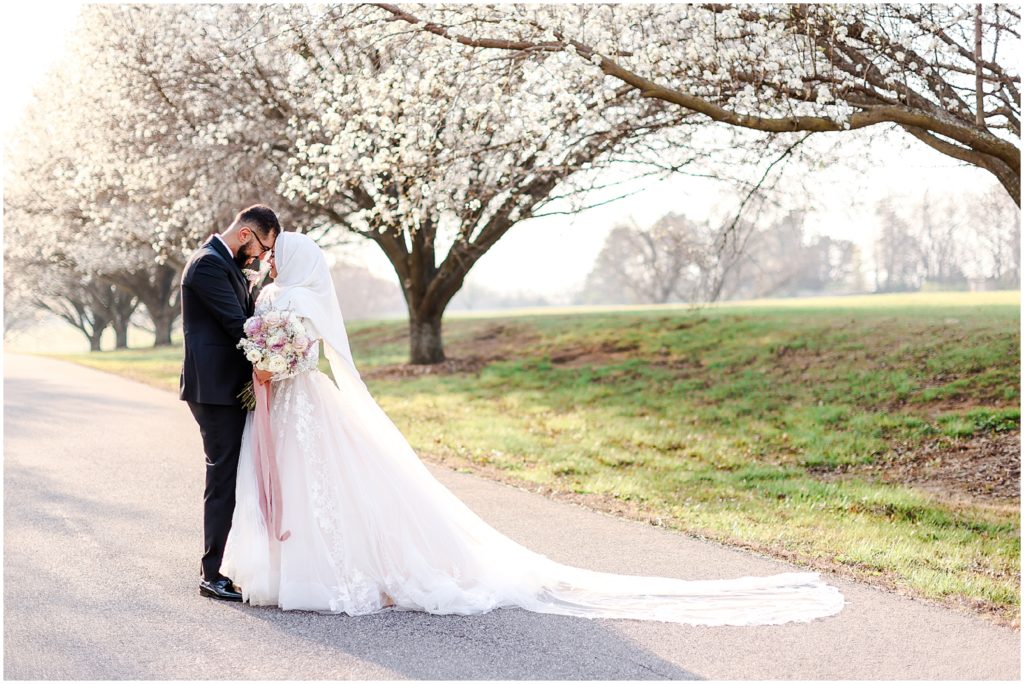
{"type": "Point", "coordinates": [263, 376]}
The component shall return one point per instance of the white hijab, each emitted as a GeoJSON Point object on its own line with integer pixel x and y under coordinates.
{"type": "Point", "coordinates": [304, 285]}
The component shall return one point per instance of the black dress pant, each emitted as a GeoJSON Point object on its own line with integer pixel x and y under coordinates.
{"type": "Point", "coordinates": [221, 428]}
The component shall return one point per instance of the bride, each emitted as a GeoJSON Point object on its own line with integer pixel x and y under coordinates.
{"type": "Point", "coordinates": [366, 527]}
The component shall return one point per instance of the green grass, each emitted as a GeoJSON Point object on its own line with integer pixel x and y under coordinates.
{"type": "Point", "coordinates": [724, 422]}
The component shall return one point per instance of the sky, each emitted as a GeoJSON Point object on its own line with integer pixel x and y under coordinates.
{"type": "Point", "coordinates": [32, 35]}
{"type": "Point", "coordinates": [552, 256]}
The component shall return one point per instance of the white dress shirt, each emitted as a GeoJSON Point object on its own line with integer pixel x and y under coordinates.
{"type": "Point", "coordinates": [230, 251]}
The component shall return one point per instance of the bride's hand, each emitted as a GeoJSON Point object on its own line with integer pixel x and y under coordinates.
{"type": "Point", "coordinates": [263, 376]}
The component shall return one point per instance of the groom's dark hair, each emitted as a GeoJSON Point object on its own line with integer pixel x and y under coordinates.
{"type": "Point", "coordinates": [260, 218]}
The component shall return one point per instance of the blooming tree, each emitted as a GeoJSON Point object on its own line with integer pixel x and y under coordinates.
{"type": "Point", "coordinates": [80, 202]}
{"type": "Point", "coordinates": [945, 74]}
{"type": "Point", "coordinates": [132, 154]}
{"type": "Point", "coordinates": [166, 119]}
{"type": "Point", "coordinates": [433, 138]}
{"type": "Point", "coordinates": [434, 150]}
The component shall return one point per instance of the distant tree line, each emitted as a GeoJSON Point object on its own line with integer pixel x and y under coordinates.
{"type": "Point", "coordinates": [966, 242]}
{"type": "Point", "coordinates": [948, 243]}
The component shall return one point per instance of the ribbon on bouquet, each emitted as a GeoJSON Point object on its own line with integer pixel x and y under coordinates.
{"type": "Point", "coordinates": [266, 462]}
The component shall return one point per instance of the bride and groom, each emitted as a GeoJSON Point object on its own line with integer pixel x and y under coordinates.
{"type": "Point", "coordinates": [365, 526]}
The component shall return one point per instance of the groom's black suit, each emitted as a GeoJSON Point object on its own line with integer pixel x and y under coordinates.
{"type": "Point", "coordinates": [215, 301]}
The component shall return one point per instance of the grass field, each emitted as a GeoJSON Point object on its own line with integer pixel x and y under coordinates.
{"type": "Point", "coordinates": [873, 436]}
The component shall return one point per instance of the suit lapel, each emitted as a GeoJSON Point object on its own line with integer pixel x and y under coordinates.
{"type": "Point", "coordinates": [224, 253]}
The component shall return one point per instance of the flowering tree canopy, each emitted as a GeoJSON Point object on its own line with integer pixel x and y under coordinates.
{"type": "Point", "coordinates": [432, 130]}
{"type": "Point", "coordinates": [421, 145]}
{"type": "Point", "coordinates": [177, 114]}
{"type": "Point", "coordinates": [133, 153]}
{"type": "Point", "coordinates": [945, 74]}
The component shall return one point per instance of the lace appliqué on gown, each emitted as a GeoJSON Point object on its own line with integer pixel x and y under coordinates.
{"type": "Point", "coordinates": [355, 593]}
{"type": "Point", "coordinates": [312, 569]}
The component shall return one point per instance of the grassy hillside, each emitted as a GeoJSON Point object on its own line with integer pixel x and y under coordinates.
{"type": "Point", "coordinates": [876, 436]}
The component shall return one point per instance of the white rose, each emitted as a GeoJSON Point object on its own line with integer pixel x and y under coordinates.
{"type": "Point", "coordinates": [277, 364]}
{"type": "Point", "coordinates": [253, 355]}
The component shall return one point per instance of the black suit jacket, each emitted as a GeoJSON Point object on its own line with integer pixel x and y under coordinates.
{"type": "Point", "coordinates": [215, 302]}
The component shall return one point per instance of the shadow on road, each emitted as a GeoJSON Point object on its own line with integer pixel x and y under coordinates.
{"type": "Point", "coordinates": [44, 505]}
{"type": "Point", "coordinates": [507, 643]}
{"type": "Point", "coordinates": [28, 406]}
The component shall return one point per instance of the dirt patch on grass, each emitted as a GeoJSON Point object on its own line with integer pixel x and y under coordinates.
{"type": "Point", "coordinates": [600, 354]}
{"type": "Point", "coordinates": [496, 342]}
{"type": "Point", "coordinates": [938, 407]}
{"type": "Point", "coordinates": [978, 469]}
{"type": "Point", "coordinates": [501, 340]}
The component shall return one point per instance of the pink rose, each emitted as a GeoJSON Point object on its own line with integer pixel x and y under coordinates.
{"type": "Point", "coordinates": [253, 326]}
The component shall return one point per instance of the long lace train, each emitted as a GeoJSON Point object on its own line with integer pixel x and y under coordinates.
{"type": "Point", "coordinates": [368, 520]}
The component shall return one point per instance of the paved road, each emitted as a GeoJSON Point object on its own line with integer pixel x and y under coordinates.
{"type": "Point", "coordinates": [102, 523]}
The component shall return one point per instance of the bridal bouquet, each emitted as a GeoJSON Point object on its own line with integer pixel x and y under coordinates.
{"type": "Point", "coordinates": [275, 342]}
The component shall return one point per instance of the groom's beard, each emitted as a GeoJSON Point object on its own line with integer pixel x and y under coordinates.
{"type": "Point", "coordinates": [243, 260]}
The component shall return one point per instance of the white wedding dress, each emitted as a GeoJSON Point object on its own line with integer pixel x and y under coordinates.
{"type": "Point", "coordinates": [368, 521]}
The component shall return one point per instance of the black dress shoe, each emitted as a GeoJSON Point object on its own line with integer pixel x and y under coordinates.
{"type": "Point", "coordinates": [222, 588]}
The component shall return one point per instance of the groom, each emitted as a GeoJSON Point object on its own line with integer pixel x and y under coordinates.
{"type": "Point", "coordinates": [215, 301]}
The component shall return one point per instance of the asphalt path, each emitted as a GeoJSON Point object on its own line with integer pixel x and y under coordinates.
{"type": "Point", "coordinates": [102, 508]}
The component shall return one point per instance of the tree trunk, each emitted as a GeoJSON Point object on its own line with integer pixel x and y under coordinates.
{"type": "Point", "coordinates": [121, 333]}
{"type": "Point", "coordinates": [86, 309]}
{"type": "Point", "coordinates": [425, 345]}
{"type": "Point", "coordinates": [418, 275]}
{"type": "Point", "coordinates": [158, 292]}
{"type": "Point", "coordinates": [163, 322]}
{"type": "Point", "coordinates": [123, 305]}
{"type": "Point", "coordinates": [94, 337]}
